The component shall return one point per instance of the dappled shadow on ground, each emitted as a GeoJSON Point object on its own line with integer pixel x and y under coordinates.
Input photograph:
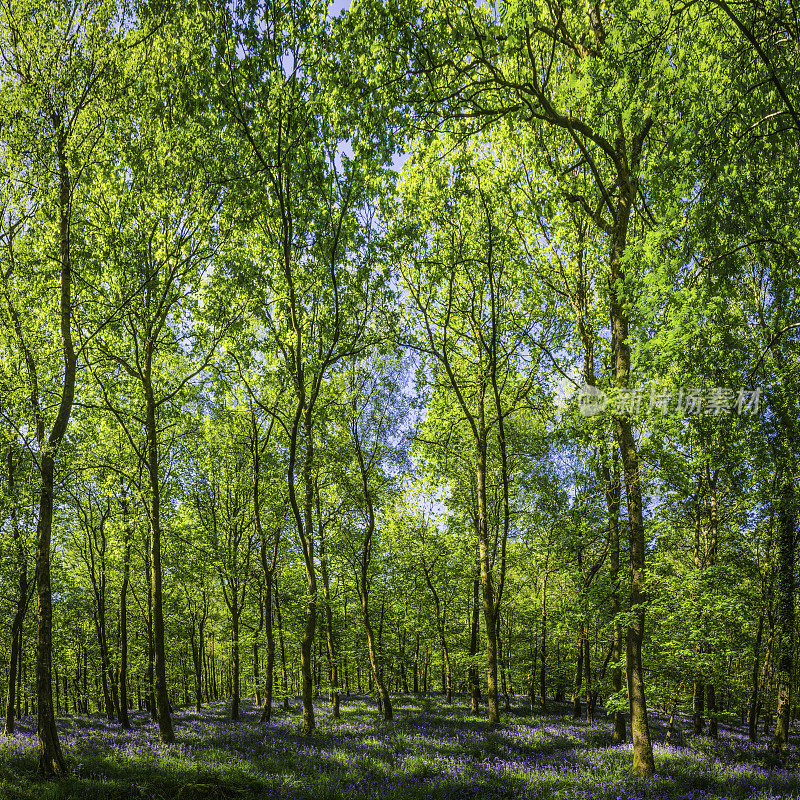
{"type": "Point", "coordinates": [430, 750]}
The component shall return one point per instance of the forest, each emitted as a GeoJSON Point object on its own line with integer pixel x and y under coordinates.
{"type": "Point", "coordinates": [399, 399]}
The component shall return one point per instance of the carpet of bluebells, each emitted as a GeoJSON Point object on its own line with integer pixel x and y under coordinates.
{"type": "Point", "coordinates": [430, 750]}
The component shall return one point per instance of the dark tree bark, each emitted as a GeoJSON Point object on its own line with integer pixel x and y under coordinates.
{"type": "Point", "coordinates": [578, 681]}
{"type": "Point", "coordinates": [711, 708]}
{"type": "Point", "coordinates": [416, 664]}
{"type": "Point", "coordinates": [162, 709]}
{"type": "Point", "coordinates": [199, 614]}
{"type": "Point", "coordinates": [784, 610]}
{"type": "Point", "coordinates": [331, 650]}
{"type": "Point", "coordinates": [698, 706]}
{"type": "Point", "coordinates": [284, 673]}
{"type": "Point", "coordinates": [752, 706]}
{"type": "Point", "coordinates": [611, 480]}
{"type": "Point", "coordinates": [543, 646]}
{"type": "Point", "coordinates": [474, 681]}
{"type": "Point", "coordinates": [23, 597]}
{"type": "Point", "coordinates": [363, 579]}
{"type": "Point", "coordinates": [643, 763]}
{"type": "Point", "coordinates": [447, 687]}
{"type": "Point", "coordinates": [268, 565]}
{"type": "Point", "coordinates": [123, 613]}
{"type": "Point", "coordinates": [711, 560]}
{"type": "Point", "coordinates": [51, 761]}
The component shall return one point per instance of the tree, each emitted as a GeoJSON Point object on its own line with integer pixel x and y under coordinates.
{"type": "Point", "coordinates": [464, 289]}
{"type": "Point", "coordinates": [58, 72]}
{"type": "Point", "coordinates": [316, 277]}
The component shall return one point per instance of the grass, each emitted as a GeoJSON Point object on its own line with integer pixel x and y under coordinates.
{"type": "Point", "coordinates": [431, 751]}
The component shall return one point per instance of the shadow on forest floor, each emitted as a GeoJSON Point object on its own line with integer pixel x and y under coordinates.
{"type": "Point", "coordinates": [429, 751]}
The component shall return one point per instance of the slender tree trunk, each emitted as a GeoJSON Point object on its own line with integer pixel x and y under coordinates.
{"type": "Point", "coordinates": [20, 659]}
{"type": "Point", "coordinates": [105, 665]}
{"type": "Point", "coordinates": [51, 761]}
{"type": "Point", "coordinates": [374, 659]}
{"type": "Point", "coordinates": [284, 673]}
{"type": "Point", "coordinates": [578, 682]}
{"type": "Point", "coordinates": [401, 644]}
{"type": "Point", "coordinates": [333, 664]}
{"type": "Point", "coordinates": [711, 482]}
{"type": "Point", "coordinates": [440, 627]}
{"type": "Point", "coordinates": [13, 668]}
{"type": "Point", "coordinates": [268, 567]}
{"type": "Point", "coordinates": [269, 685]}
{"type": "Point", "coordinates": [162, 709]}
{"type": "Point", "coordinates": [752, 710]}
{"type": "Point", "coordinates": [123, 621]}
{"type": "Point", "coordinates": [306, 654]}
{"type": "Point", "coordinates": [591, 695]}
{"type": "Point", "coordinates": [474, 680]}
{"type": "Point", "coordinates": [16, 644]}
{"type": "Point", "coordinates": [543, 647]}
{"type": "Point", "coordinates": [559, 693]}
{"type": "Point", "coordinates": [711, 707]}
{"type": "Point", "coordinates": [613, 491]}
{"type": "Point", "coordinates": [22, 601]}
{"type": "Point", "coordinates": [304, 522]}
{"type": "Point", "coordinates": [487, 584]}
{"type": "Point", "coordinates": [197, 663]}
{"type": "Point", "coordinates": [257, 649]}
{"type": "Point", "coordinates": [416, 664]}
{"type": "Point", "coordinates": [643, 763]}
{"type": "Point", "coordinates": [785, 615]}
{"type": "Point", "coordinates": [57, 684]}
{"type": "Point", "coordinates": [698, 706]}
{"type": "Point", "coordinates": [235, 610]}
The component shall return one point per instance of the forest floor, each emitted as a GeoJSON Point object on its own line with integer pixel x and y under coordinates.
{"type": "Point", "coordinates": [430, 751]}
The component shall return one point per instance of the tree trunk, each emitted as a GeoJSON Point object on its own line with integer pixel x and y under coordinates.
{"type": "Point", "coordinates": [51, 761]}
{"type": "Point", "coordinates": [269, 683]}
{"type": "Point", "coordinates": [613, 491]}
{"type": "Point", "coordinates": [197, 664]}
{"type": "Point", "coordinates": [784, 605]}
{"type": "Point", "coordinates": [711, 707]}
{"type": "Point", "coordinates": [22, 599]}
{"type": "Point", "coordinates": [304, 523]}
{"type": "Point", "coordinates": [578, 682]}
{"type": "Point", "coordinates": [235, 658]}
{"type": "Point", "coordinates": [284, 674]}
{"type": "Point", "coordinates": [306, 654]}
{"type": "Point", "coordinates": [713, 543]}
{"type": "Point", "coordinates": [487, 584]}
{"type": "Point", "coordinates": [105, 664]}
{"type": "Point", "coordinates": [474, 682]}
{"type": "Point", "coordinates": [543, 647]}
{"type": "Point", "coordinates": [416, 664]}
{"type": "Point", "coordinates": [643, 763]}
{"type": "Point", "coordinates": [440, 627]}
{"type": "Point", "coordinates": [591, 694]}
{"type": "Point", "coordinates": [13, 668]}
{"type": "Point", "coordinates": [333, 665]}
{"type": "Point", "coordinates": [166, 732]}
{"type": "Point", "coordinates": [16, 642]}
{"type": "Point", "coordinates": [752, 710]}
{"type": "Point", "coordinates": [698, 706]}
{"type": "Point", "coordinates": [374, 659]}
